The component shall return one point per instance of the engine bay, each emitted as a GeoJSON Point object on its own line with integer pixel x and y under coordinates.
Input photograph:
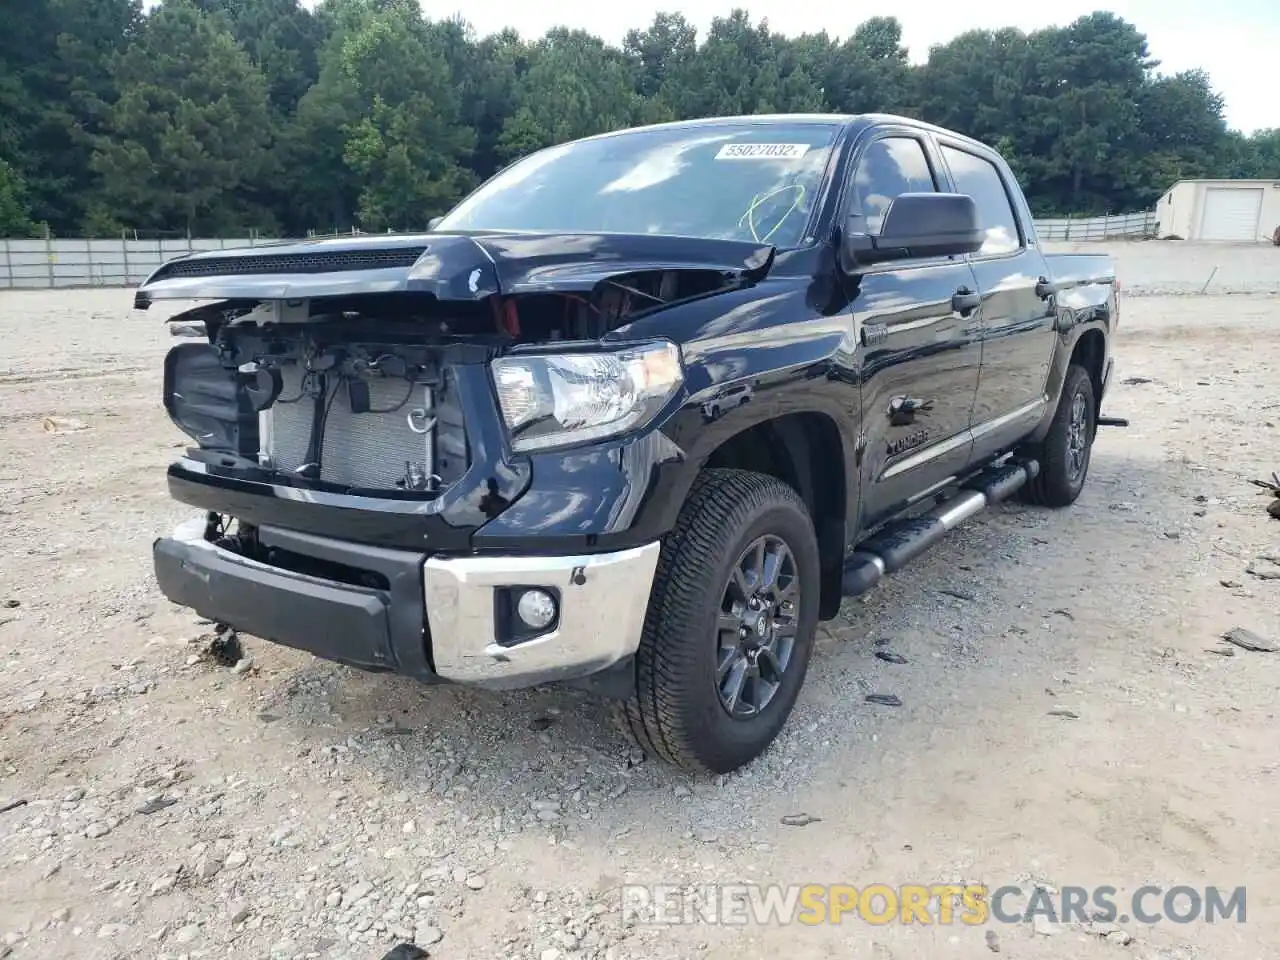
{"type": "Point", "coordinates": [360, 393]}
{"type": "Point", "coordinates": [334, 405]}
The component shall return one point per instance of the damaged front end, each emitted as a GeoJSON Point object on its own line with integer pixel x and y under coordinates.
{"type": "Point", "coordinates": [361, 367]}
{"type": "Point", "coordinates": [323, 402]}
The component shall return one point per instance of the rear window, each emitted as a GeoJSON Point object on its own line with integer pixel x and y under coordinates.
{"type": "Point", "coordinates": [981, 180]}
{"type": "Point", "coordinates": [747, 181]}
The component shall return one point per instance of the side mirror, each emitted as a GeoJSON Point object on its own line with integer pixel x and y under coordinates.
{"type": "Point", "coordinates": [918, 225]}
{"type": "Point", "coordinates": [433, 223]}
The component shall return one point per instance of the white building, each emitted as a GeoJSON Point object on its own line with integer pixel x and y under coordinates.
{"type": "Point", "coordinates": [1239, 211]}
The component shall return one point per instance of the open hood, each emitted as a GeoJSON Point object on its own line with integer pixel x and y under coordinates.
{"type": "Point", "coordinates": [450, 266]}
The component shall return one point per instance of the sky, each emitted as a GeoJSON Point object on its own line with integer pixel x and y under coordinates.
{"type": "Point", "coordinates": [1235, 41]}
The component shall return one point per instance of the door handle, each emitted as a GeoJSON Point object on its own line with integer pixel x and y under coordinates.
{"type": "Point", "coordinates": [965, 301]}
{"type": "Point", "coordinates": [1045, 288]}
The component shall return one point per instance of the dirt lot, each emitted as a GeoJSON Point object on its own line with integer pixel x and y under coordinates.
{"type": "Point", "coordinates": [171, 807]}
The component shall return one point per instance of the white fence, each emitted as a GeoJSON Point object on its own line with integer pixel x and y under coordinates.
{"type": "Point", "coordinates": [125, 263]}
{"type": "Point", "coordinates": [93, 263]}
{"type": "Point", "coordinates": [1120, 227]}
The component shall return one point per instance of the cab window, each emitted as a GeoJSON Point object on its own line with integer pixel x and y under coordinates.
{"type": "Point", "coordinates": [980, 179]}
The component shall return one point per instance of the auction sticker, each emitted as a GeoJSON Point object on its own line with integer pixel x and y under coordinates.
{"type": "Point", "coordinates": [762, 151]}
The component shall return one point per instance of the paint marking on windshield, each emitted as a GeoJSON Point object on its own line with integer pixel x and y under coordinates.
{"type": "Point", "coordinates": [762, 151]}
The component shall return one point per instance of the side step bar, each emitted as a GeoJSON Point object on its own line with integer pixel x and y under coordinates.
{"type": "Point", "coordinates": [891, 549]}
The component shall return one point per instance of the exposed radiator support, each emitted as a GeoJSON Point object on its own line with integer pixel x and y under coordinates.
{"type": "Point", "coordinates": [391, 440]}
{"type": "Point", "coordinates": [266, 421]}
{"type": "Point", "coordinates": [422, 421]}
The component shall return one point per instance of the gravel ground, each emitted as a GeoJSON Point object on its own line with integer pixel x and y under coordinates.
{"type": "Point", "coordinates": [167, 806]}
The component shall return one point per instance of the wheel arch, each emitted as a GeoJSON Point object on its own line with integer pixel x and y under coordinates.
{"type": "Point", "coordinates": [805, 451]}
{"type": "Point", "coordinates": [1090, 352]}
{"type": "Point", "coordinates": [1086, 346]}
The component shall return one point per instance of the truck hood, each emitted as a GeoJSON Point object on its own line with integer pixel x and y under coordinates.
{"type": "Point", "coordinates": [450, 266]}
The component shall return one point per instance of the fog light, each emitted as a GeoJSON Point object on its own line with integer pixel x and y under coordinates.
{"type": "Point", "coordinates": [536, 609]}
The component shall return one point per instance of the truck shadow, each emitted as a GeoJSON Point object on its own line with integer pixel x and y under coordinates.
{"type": "Point", "coordinates": [1016, 579]}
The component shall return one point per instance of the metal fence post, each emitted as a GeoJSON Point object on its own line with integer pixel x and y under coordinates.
{"type": "Point", "coordinates": [48, 253]}
{"type": "Point", "coordinates": [8, 264]}
{"type": "Point", "coordinates": [124, 253]}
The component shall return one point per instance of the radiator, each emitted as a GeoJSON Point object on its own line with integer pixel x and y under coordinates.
{"type": "Point", "coordinates": [379, 449]}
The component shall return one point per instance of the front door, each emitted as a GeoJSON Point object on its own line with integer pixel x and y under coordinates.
{"type": "Point", "coordinates": [918, 325]}
{"type": "Point", "coordinates": [920, 370]}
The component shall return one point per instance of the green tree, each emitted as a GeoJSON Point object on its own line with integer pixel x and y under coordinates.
{"type": "Point", "coordinates": [55, 79]}
{"type": "Point", "coordinates": [487, 74]}
{"type": "Point", "coordinates": [408, 144]}
{"type": "Point", "coordinates": [221, 114]}
{"type": "Point", "coordinates": [977, 83]}
{"type": "Point", "coordinates": [322, 191]}
{"type": "Point", "coordinates": [1078, 111]}
{"type": "Point", "coordinates": [1266, 149]}
{"type": "Point", "coordinates": [1255, 157]}
{"type": "Point", "coordinates": [744, 68]}
{"type": "Point", "coordinates": [1082, 111]}
{"type": "Point", "coordinates": [283, 39]}
{"type": "Point", "coordinates": [575, 85]}
{"type": "Point", "coordinates": [869, 72]}
{"type": "Point", "coordinates": [1179, 135]}
{"type": "Point", "coordinates": [661, 55]}
{"type": "Point", "coordinates": [186, 141]}
{"type": "Point", "coordinates": [15, 215]}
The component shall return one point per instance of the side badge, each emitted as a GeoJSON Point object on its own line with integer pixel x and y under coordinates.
{"type": "Point", "coordinates": [874, 333]}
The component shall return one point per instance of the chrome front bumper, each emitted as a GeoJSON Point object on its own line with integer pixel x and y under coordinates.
{"type": "Point", "coordinates": [603, 602]}
{"type": "Point", "coordinates": [436, 618]}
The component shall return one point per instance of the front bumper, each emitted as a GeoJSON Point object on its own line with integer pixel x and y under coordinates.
{"type": "Point", "coordinates": [431, 617]}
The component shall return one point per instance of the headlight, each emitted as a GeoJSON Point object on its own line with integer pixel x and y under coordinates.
{"type": "Point", "coordinates": [551, 400]}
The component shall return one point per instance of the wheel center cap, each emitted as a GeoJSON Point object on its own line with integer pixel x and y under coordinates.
{"type": "Point", "coordinates": [762, 625]}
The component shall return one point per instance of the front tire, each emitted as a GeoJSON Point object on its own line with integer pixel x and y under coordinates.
{"type": "Point", "coordinates": [1067, 449]}
{"type": "Point", "coordinates": [730, 624]}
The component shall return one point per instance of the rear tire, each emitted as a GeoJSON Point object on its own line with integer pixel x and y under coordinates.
{"type": "Point", "coordinates": [1065, 453]}
{"type": "Point", "coordinates": [715, 626]}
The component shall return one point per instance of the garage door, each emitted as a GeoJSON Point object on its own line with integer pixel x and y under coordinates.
{"type": "Point", "coordinates": [1231, 213]}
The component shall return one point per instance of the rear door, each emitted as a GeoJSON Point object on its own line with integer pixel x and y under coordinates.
{"type": "Point", "coordinates": [1018, 329]}
{"type": "Point", "coordinates": [918, 336]}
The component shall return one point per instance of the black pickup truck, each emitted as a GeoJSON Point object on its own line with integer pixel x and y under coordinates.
{"type": "Point", "coordinates": [636, 414]}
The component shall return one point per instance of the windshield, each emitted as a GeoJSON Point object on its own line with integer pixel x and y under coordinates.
{"type": "Point", "coordinates": [746, 181]}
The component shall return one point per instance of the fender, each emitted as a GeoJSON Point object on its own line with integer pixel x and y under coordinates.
{"type": "Point", "coordinates": [783, 347]}
{"type": "Point", "coordinates": [1082, 308]}
{"type": "Point", "coordinates": [751, 356]}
